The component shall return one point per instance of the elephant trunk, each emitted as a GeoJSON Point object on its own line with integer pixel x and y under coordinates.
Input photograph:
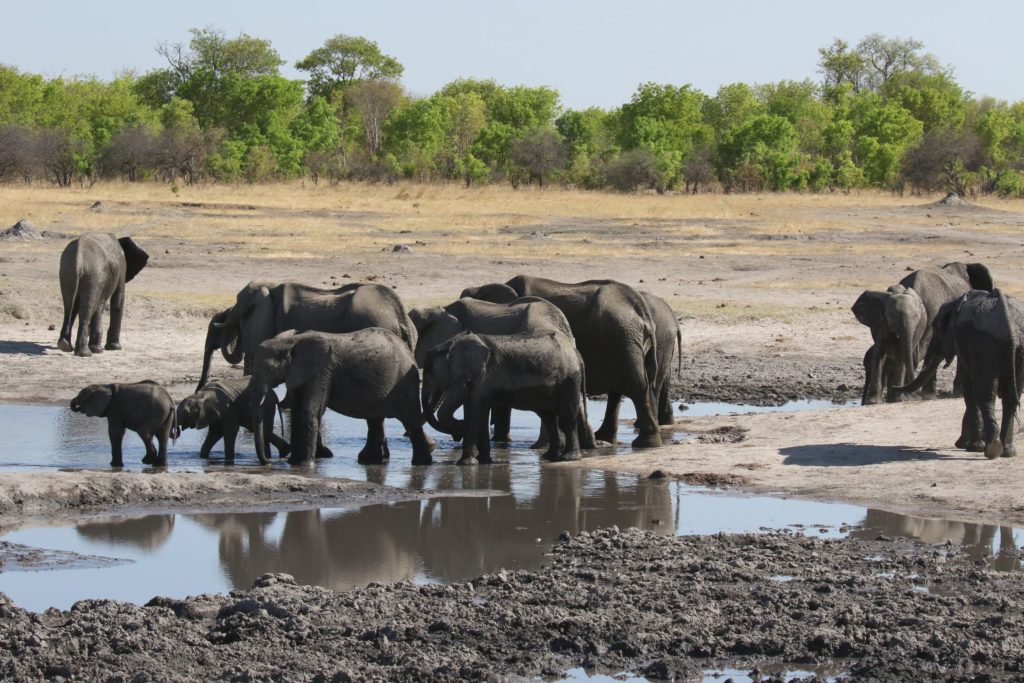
{"type": "Point", "coordinates": [258, 396]}
{"type": "Point", "coordinates": [230, 344]}
{"type": "Point", "coordinates": [927, 373]}
{"type": "Point", "coordinates": [213, 337]}
{"type": "Point", "coordinates": [440, 414]}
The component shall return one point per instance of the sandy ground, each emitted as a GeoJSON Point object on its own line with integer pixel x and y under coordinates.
{"type": "Point", "coordinates": [762, 286]}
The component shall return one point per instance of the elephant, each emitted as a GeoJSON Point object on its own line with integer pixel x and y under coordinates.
{"type": "Point", "coordinates": [224, 406]}
{"type": "Point", "coordinates": [263, 310]}
{"type": "Point", "coordinates": [898, 322]}
{"type": "Point", "coordinates": [670, 343]}
{"type": "Point", "coordinates": [368, 374]}
{"type": "Point", "coordinates": [143, 407]}
{"type": "Point", "coordinates": [983, 330]}
{"type": "Point", "coordinates": [93, 270]}
{"type": "Point", "coordinates": [616, 336]}
{"type": "Point", "coordinates": [436, 325]}
{"type": "Point", "coordinates": [539, 371]}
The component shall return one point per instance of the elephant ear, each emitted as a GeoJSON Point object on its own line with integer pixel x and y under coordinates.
{"type": "Point", "coordinates": [467, 360]}
{"type": "Point", "coordinates": [135, 257]}
{"type": "Point", "coordinates": [944, 326]}
{"type": "Point", "coordinates": [421, 316]}
{"type": "Point", "coordinates": [305, 359]}
{"type": "Point", "coordinates": [495, 292]}
{"type": "Point", "coordinates": [869, 309]}
{"type": "Point", "coordinates": [980, 277]}
{"type": "Point", "coordinates": [98, 401]}
{"type": "Point", "coordinates": [211, 409]}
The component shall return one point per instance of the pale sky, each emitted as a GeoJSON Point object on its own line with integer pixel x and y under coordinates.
{"type": "Point", "coordinates": [593, 53]}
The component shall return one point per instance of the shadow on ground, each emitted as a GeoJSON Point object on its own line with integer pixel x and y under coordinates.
{"type": "Point", "coordinates": [24, 348]}
{"type": "Point", "coordinates": [853, 455]}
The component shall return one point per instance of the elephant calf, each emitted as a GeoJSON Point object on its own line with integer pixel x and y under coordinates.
{"type": "Point", "coordinates": [541, 372]}
{"type": "Point", "coordinates": [224, 406]}
{"type": "Point", "coordinates": [144, 407]}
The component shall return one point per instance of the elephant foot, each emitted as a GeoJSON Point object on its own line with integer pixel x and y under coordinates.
{"type": "Point", "coordinates": [65, 344]}
{"type": "Point", "coordinates": [540, 443]}
{"type": "Point", "coordinates": [96, 348]}
{"type": "Point", "coordinates": [373, 455]}
{"type": "Point", "coordinates": [118, 464]}
{"type": "Point", "coordinates": [647, 441]}
{"type": "Point", "coordinates": [485, 459]}
{"type": "Point", "coordinates": [607, 435]}
{"type": "Point", "coordinates": [229, 461]}
{"type": "Point", "coordinates": [284, 451]}
{"type": "Point", "coordinates": [297, 462]}
{"type": "Point", "coordinates": [567, 456]}
{"type": "Point", "coordinates": [418, 460]}
{"type": "Point", "coordinates": [149, 460]}
{"type": "Point", "coordinates": [665, 420]}
{"type": "Point", "coordinates": [932, 395]}
{"type": "Point", "coordinates": [112, 346]}
{"type": "Point", "coordinates": [468, 461]}
{"type": "Point", "coordinates": [204, 456]}
{"type": "Point", "coordinates": [975, 446]}
{"type": "Point", "coordinates": [993, 450]}
{"type": "Point", "coordinates": [83, 352]}
{"type": "Point", "coordinates": [501, 438]}
{"type": "Point", "coordinates": [323, 452]}
{"type": "Point", "coordinates": [1009, 452]}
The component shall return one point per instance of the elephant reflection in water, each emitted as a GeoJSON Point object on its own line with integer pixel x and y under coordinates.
{"type": "Point", "coordinates": [451, 537]}
{"type": "Point", "coordinates": [977, 540]}
{"type": "Point", "coordinates": [147, 532]}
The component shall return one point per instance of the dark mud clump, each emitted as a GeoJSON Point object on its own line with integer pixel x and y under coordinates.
{"type": "Point", "coordinates": [663, 607]}
{"type": "Point", "coordinates": [760, 380]}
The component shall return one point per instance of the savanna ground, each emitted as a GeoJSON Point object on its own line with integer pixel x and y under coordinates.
{"type": "Point", "coordinates": [762, 286]}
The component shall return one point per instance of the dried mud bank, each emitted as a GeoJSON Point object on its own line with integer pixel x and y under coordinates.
{"type": "Point", "coordinates": [37, 494]}
{"type": "Point", "coordinates": [613, 600]}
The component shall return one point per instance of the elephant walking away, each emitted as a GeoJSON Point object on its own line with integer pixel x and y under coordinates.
{"type": "Point", "coordinates": [898, 321]}
{"type": "Point", "coordinates": [369, 375]}
{"type": "Point", "coordinates": [143, 407]}
{"type": "Point", "coordinates": [93, 270]}
{"type": "Point", "coordinates": [263, 310]}
{"type": "Point", "coordinates": [616, 336]}
{"type": "Point", "coordinates": [541, 372]}
{"type": "Point", "coordinates": [983, 331]}
{"type": "Point", "coordinates": [224, 406]}
{"type": "Point", "coordinates": [670, 345]}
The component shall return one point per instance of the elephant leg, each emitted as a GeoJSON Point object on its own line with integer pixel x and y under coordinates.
{"type": "Point", "coordinates": [984, 398]}
{"type": "Point", "coordinates": [375, 452]}
{"type": "Point", "coordinates": [543, 439]}
{"type": "Point", "coordinates": [307, 408]}
{"type": "Point", "coordinates": [422, 445]}
{"type": "Point", "coordinates": [86, 312]}
{"type": "Point", "coordinates": [162, 436]}
{"type": "Point", "coordinates": [96, 331]}
{"type": "Point", "coordinates": [213, 435]}
{"type": "Point", "coordinates": [501, 418]}
{"type": "Point", "coordinates": [568, 418]}
{"type": "Point", "coordinates": [282, 446]}
{"type": "Point", "coordinates": [1006, 431]}
{"type": "Point", "coordinates": [650, 435]}
{"type": "Point", "coordinates": [230, 427]}
{"type": "Point", "coordinates": [67, 326]}
{"type": "Point", "coordinates": [550, 421]}
{"type": "Point", "coordinates": [665, 416]}
{"type": "Point", "coordinates": [609, 429]}
{"type": "Point", "coordinates": [116, 313]}
{"type": "Point", "coordinates": [147, 441]}
{"type": "Point", "coordinates": [322, 451]}
{"type": "Point", "coordinates": [970, 428]}
{"type": "Point", "coordinates": [115, 430]}
{"type": "Point", "coordinates": [475, 422]}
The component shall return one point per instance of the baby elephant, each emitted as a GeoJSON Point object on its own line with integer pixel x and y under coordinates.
{"type": "Point", "coordinates": [224, 406]}
{"type": "Point", "coordinates": [144, 407]}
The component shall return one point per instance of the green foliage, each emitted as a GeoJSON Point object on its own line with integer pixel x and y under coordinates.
{"type": "Point", "coordinates": [761, 153]}
{"type": "Point", "coordinates": [342, 60]}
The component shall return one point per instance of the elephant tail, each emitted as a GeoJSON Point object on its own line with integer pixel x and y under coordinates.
{"type": "Point", "coordinates": [651, 365]}
{"type": "Point", "coordinates": [280, 416]}
{"type": "Point", "coordinates": [175, 427]}
{"type": "Point", "coordinates": [679, 348]}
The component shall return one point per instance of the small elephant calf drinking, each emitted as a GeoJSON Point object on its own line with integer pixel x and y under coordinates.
{"type": "Point", "coordinates": [224, 406]}
{"type": "Point", "coordinates": [143, 407]}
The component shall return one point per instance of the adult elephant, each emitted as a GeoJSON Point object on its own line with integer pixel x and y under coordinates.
{"type": "Point", "coordinates": [670, 345]}
{"type": "Point", "coordinates": [263, 310]}
{"type": "Point", "coordinates": [616, 336]}
{"type": "Point", "coordinates": [93, 270]}
{"type": "Point", "coordinates": [436, 325]}
{"type": "Point", "coordinates": [368, 374]}
{"type": "Point", "coordinates": [898, 322]}
{"type": "Point", "coordinates": [983, 330]}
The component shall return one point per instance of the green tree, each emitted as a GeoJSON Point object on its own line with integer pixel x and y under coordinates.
{"type": "Point", "coordinates": [343, 60]}
{"type": "Point", "coordinates": [766, 145]}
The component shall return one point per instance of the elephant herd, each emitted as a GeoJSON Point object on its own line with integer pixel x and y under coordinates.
{"type": "Point", "coordinates": [938, 314]}
{"type": "Point", "coordinates": [528, 344]}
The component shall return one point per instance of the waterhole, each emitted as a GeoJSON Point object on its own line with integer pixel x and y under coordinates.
{"type": "Point", "coordinates": [522, 508]}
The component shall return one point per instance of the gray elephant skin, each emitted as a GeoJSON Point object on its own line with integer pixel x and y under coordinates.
{"type": "Point", "coordinates": [898, 322]}
{"type": "Point", "coordinates": [143, 407]}
{"type": "Point", "coordinates": [983, 331]}
{"type": "Point", "coordinates": [542, 372]}
{"type": "Point", "coordinates": [614, 332]}
{"type": "Point", "coordinates": [670, 345]}
{"type": "Point", "coordinates": [263, 310]}
{"type": "Point", "coordinates": [93, 270]}
{"type": "Point", "coordinates": [435, 326]}
{"type": "Point", "coordinates": [224, 406]}
{"type": "Point", "coordinates": [369, 375]}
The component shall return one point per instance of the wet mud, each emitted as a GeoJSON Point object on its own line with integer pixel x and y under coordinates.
{"type": "Point", "coordinates": [622, 601]}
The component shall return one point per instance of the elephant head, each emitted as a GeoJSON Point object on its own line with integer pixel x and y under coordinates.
{"type": "Point", "coordinates": [94, 400]}
{"type": "Point", "coordinates": [448, 371]}
{"type": "Point", "coordinates": [199, 410]}
{"type": "Point", "coordinates": [288, 358]}
{"type": "Point", "coordinates": [238, 330]}
{"type": "Point", "coordinates": [135, 257]}
{"type": "Point", "coordinates": [495, 292]}
{"type": "Point", "coordinates": [434, 326]}
{"type": "Point", "coordinates": [898, 322]}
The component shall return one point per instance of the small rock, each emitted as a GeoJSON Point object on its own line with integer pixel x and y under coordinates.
{"type": "Point", "coordinates": [22, 230]}
{"type": "Point", "coordinates": [401, 248]}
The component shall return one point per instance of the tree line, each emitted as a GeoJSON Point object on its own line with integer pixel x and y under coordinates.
{"type": "Point", "coordinates": [883, 114]}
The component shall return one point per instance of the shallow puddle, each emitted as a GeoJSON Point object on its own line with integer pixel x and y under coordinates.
{"type": "Point", "coordinates": [511, 526]}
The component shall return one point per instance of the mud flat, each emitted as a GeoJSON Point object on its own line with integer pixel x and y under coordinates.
{"type": "Point", "coordinates": [613, 601]}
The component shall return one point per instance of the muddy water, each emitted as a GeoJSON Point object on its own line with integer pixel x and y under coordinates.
{"type": "Point", "coordinates": [522, 508]}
